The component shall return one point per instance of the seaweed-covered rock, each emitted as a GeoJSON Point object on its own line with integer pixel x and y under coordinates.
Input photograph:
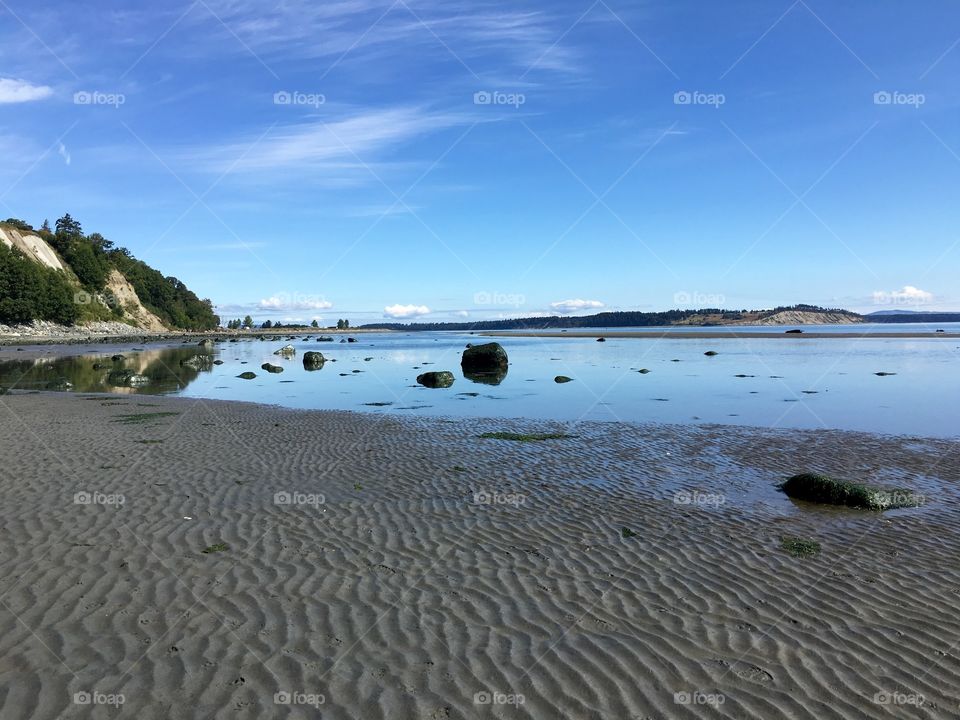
{"type": "Point", "coordinates": [562, 379]}
{"type": "Point", "coordinates": [489, 357]}
{"type": "Point", "coordinates": [437, 379]}
{"type": "Point", "coordinates": [827, 490]}
{"type": "Point", "coordinates": [313, 360]}
{"type": "Point", "coordinates": [198, 362]}
{"type": "Point", "coordinates": [286, 351]}
{"type": "Point", "coordinates": [127, 378]}
{"type": "Point", "coordinates": [271, 368]}
{"type": "Point", "coordinates": [117, 358]}
{"type": "Point", "coordinates": [711, 353]}
{"type": "Point", "coordinates": [247, 375]}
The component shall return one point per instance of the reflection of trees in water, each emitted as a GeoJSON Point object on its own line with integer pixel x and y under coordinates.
{"type": "Point", "coordinates": [161, 367]}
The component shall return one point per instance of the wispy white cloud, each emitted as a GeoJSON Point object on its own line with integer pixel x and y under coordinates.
{"type": "Point", "coordinates": [21, 91]}
{"type": "Point", "coordinates": [405, 311]}
{"type": "Point", "coordinates": [62, 152]}
{"type": "Point", "coordinates": [487, 38]}
{"type": "Point", "coordinates": [344, 143]}
{"type": "Point", "coordinates": [572, 306]}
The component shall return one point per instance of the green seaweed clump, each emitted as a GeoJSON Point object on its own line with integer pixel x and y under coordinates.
{"type": "Point", "coordinates": [798, 547]}
{"type": "Point", "coordinates": [525, 437]}
{"type": "Point", "coordinates": [141, 418]}
{"type": "Point", "coordinates": [627, 533]}
{"type": "Point", "coordinates": [219, 547]}
{"type": "Point", "coordinates": [827, 490]}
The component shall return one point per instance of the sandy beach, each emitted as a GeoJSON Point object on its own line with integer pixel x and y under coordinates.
{"type": "Point", "coordinates": [176, 558]}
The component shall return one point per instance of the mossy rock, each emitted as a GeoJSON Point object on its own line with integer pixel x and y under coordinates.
{"type": "Point", "coordinates": [271, 368]}
{"type": "Point", "coordinates": [438, 379]}
{"type": "Point", "coordinates": [313, 360]}
{"type": "Point", "coordinates": [711, 353]}
{"type": "Point", "coordinates": [799, 547]}
{"type": "Point", "coordinates": [247, 375]}
{"type": "Point", "coordinates": [127, 378]}
{"type": "Point", "coordinates": [827, 490]}
{"type": "Point", "coordinates": [643, 371]}
{"type": "Point", "coordinates": [562, 379]}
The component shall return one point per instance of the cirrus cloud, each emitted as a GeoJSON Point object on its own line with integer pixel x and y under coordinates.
{"type": "Point", "coordinates": [21, 91]}
{"type": "Point", "coordinates": [572, 306]}
{"type": "Point", "coordinates": [405, 311]}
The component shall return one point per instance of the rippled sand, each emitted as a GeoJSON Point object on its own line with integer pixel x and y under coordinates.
{"type": "Point", "coordinates": [418, 566]}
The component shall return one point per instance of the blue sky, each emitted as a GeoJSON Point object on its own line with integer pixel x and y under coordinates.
{"type": "Point", "coordinates": [472, 160]}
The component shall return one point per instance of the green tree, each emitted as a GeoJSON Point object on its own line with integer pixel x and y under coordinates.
{"type": "Point", "coordinates": [247, 322]}
{"type": "Point", "coordinates": [314, 324]}
{"type": "Point", "coordinates": [267, 325]}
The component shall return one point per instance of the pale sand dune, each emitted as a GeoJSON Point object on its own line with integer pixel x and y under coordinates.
{"type": "Point", "coordinates": [404, 598]}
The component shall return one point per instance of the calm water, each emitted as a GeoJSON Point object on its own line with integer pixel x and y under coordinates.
{"type": "Point", "coordinates": [790, 383]}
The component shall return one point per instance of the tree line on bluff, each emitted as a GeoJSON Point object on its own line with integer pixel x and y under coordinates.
{"type": "Point", "coordinates": [32, 291]}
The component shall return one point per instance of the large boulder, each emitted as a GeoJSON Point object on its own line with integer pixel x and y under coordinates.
{"type": "Point", "coordinates": [313, 360]}
{"type": "Point", "coordinates": [487, 358]}
{"type": "Point", "coordinates": [438, 379]}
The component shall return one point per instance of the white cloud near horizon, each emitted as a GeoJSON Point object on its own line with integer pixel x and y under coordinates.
{"type": "Point", "coordinates": [21, 91]}
{"type": "Point", "coordinates": [405, 311]}
{"type": "Point", "coordinates": [285, 302]}
{"type": "Point", "coordinates": [572, 306]}
{"type": "Point", "coordinates": [907, 295]}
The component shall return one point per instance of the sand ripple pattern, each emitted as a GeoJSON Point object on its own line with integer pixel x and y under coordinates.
{"type": "Point", "coordinates": [398, 568]}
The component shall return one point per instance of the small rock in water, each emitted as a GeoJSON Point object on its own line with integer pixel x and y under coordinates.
{"type": "Point", "coordinates": [643, 371]}
{"type": "Point", "coordinates": [440, 379]}
{"type": "Point", "coordinates": [271, 368]}
{"type": "Point", "coordinates": [562, 379]}
{"type": "Point", "coordinates": [711, 353]}
{"type": "Point", "coordinates": [884, 374]}
{"type": "Point", "coordinates": [313, 360]}
{"type": "Point", "coordinates": [247, 375]}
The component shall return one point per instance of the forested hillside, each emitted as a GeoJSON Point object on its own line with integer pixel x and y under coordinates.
{"type": "Point", "coordinates": [65, 276]}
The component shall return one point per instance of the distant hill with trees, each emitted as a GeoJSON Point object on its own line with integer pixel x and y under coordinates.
{"type": "Point", "coordinates": [703, 317]}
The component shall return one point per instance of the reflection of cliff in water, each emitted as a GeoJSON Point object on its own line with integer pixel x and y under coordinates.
{"type": "Point", "coordinates": [160, 372]}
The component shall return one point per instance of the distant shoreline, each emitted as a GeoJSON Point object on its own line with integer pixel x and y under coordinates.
{"type": "Point", "coordinates": [722, 335]}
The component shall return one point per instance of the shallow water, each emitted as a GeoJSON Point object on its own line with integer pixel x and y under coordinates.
{"type": "Point", "coordinates": [810, 383]}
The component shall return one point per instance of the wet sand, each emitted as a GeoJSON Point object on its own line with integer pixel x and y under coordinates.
{"type": "Point", "coordinates": [363, 566]}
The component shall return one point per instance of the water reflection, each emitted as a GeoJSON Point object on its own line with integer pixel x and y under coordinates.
{"type": "Point", "coordinates": [487, 378]}
{"type": "Point", "coordinates": [148, 371]}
